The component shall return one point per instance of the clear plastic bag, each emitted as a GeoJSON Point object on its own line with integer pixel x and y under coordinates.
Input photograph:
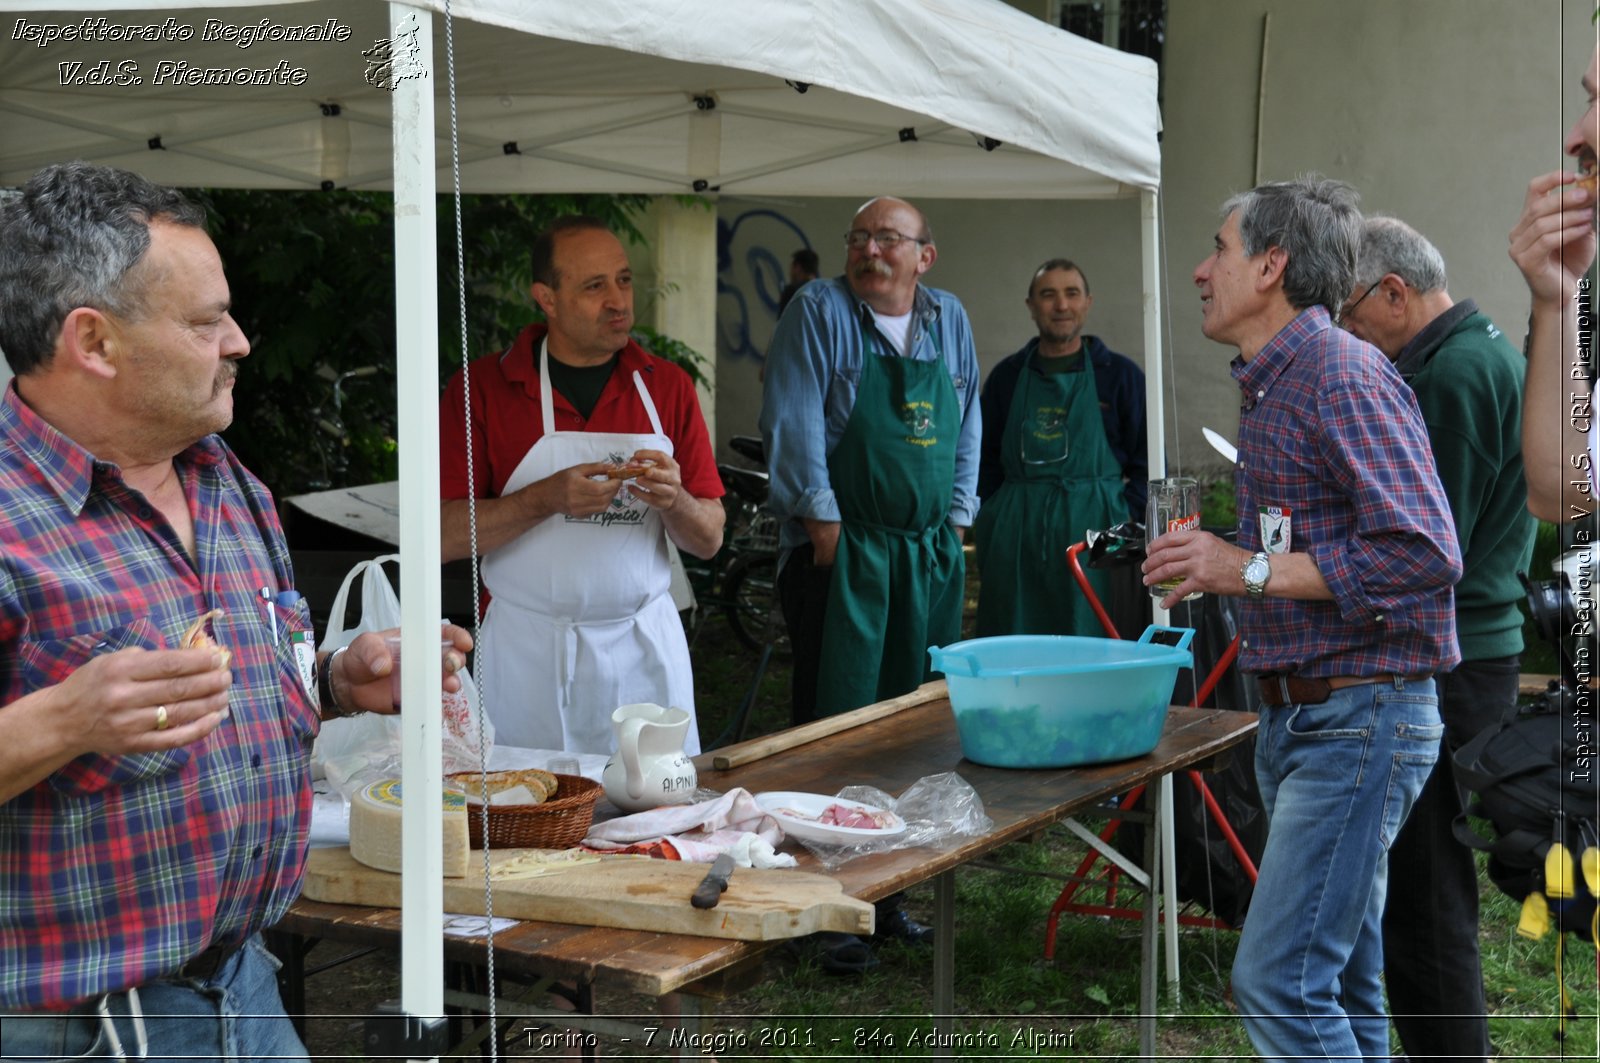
{"type": "Point", "coordinates": [367, 746]}
{"type": "Point", "coordinates": [940, 812]}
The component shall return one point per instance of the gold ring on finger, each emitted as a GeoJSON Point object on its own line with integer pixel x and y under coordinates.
{"type": "Point", "coordinates": [162, 723]}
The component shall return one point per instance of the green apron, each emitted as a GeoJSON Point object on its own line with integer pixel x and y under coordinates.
{"type": "Point", "coordinates": [898, 577]}
{"type": "Point", "coordinates": [1060, 480]}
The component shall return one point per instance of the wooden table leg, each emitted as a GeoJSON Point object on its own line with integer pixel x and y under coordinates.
{"type": "Point", "coordinates": [688, 1013]}
{"type": "Point", "coordinates": [1147, 937]}
{"type": "Point", "coordinates": [944, 950]}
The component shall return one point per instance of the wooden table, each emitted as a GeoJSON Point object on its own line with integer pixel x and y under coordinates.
{"type": "Point", "coordinates": [890, 754]}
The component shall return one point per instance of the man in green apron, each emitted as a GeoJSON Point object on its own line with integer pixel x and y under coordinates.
{"type": "Point", "coordinates": [871, 422]}
{"type": "Point", "coordinates": [1063, 452]}
{"type": "Point", "coordinates": [872, 429]}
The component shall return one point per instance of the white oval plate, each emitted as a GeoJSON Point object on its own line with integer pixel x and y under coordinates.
{"type": "Point", "coordinates": [806, 804]}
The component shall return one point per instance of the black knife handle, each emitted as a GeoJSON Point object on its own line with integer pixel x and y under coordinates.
{"type": "Point", "coordinates": [708, 893]}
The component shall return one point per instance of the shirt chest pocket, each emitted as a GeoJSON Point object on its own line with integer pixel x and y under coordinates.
{"type": "Point", "coordinates": [47, 662]}
{"type": "Point", "coordinates": [268, 668]}
{"type": "Point", "coordinates": [1286, 465]}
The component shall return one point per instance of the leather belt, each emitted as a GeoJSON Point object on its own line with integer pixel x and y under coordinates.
{"type": "Point", "coordinates": [1286, 688]}
{"type": "Point", "coordinates": [205, 966]}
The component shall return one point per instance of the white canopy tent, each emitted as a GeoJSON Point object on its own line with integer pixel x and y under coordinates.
{"type": "Point", "coordinates": [947, 98]}
{"type": "Point", "coordinates": [648, 96]}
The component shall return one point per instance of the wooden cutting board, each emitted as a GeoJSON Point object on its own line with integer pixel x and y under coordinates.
{"type": "Point", "coordinates": [632, 893]}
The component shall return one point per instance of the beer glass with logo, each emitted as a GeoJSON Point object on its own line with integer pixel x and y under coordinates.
{"type": "Point", "coordinates": [1173, 505]}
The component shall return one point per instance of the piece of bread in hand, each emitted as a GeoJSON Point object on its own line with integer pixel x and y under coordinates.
{"type": "Point", "coordinates": [196, 638]}
{"type": "Point", "coordinates": [1588, 181]}
{"type": "Point", "coordinates": [625, 472]}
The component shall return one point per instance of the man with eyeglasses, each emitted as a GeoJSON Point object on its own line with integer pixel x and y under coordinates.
{"type": "Point", "coordinates": [1468, 382]}
{"type": "Point", "coordinates": [872, 429]}
{"type": "Point", "coordinates": [1063, 451]}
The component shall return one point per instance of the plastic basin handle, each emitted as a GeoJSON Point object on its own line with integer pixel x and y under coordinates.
{"type": "Point", "coordinates": [942, 659]}
{"type": "Point", "coordinates": [1185, 635]}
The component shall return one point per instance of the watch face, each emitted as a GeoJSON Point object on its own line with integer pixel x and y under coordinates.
{"type": "Point", "coordinates": [1256, 572]}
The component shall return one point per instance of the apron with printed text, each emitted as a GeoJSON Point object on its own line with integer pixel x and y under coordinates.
{"type": "Point", "coordinates": [897, 580]}
{"type": "Point", "coordinates": [1061, 480]}
{"type": "Point", "coordinates": [581, 620]}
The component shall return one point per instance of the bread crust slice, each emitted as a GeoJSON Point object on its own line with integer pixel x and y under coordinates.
{"type": "Point", "coordinates": [195, 637]}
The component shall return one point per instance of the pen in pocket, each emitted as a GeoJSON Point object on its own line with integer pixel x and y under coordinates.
{"type": "Point", "coordinates": [272, 617]}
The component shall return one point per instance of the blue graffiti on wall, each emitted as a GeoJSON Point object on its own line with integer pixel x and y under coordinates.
{"type": "Point", "coordinates": [753, 252]}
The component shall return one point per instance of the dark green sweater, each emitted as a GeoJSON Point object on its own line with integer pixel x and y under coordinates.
{"type": "Point", "coordinates": [1468, 381]}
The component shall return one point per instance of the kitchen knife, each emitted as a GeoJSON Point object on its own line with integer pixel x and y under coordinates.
{"type": "Point", "coordinates": [1221, 445]}
{"type": "Point", "coordinates": [709, 892]}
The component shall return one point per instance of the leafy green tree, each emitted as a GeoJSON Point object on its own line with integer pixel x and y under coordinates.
{"type": "Point", "coordinates": [312, 279]}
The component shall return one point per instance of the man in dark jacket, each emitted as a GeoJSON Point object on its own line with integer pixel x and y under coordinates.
{"type": "Point", "coordinates": [1063, 452]}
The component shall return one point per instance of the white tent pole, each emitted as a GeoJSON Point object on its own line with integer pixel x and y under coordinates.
{"type": "Point", "coordinates": [416, 376]}
{"type": "Point", "coordinates": [1155, 409]}
{"type": "Point", "coordinates": [1156, 443]}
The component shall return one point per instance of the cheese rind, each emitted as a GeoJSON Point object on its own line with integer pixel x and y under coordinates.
{"type": "Point", "coordinates": [376, 833]}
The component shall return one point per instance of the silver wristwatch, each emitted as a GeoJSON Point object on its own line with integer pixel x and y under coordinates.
{"type": "Point", "coordinates": [1255, 573]}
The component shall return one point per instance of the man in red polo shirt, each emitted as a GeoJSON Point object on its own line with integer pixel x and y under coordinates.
{"type": "Point", "coordinates": [585, 450]}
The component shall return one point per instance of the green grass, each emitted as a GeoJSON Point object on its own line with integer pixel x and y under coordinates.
{"type": "Point", "coordinates": [1083, 1004]}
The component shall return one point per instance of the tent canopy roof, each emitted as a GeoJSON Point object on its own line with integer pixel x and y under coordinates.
{"type": "Point", "coordinates": [956, 98]}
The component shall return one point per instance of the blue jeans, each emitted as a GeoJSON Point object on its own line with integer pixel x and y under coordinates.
{"type": "Point", "coordinates": [236, 1015]}
{"type": "Point", "coordinates": [1337, 780]}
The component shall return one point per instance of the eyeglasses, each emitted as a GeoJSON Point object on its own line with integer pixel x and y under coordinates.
{"type": "Point", "coordinates": [1346, 311]}
{"type": "Point", "coordinates": [886, 239]}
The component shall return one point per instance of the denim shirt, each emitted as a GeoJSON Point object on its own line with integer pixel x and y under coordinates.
{"type": "Point", "coordinates": [813, 369]}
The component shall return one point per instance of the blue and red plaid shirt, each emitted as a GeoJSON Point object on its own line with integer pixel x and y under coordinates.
{"type": "Point", "coordinates": [116, 870]}
{"type": "Point", "coordinates": [1330, 433]}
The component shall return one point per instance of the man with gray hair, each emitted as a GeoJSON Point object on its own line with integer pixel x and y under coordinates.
{"type": "Point", "coordinates": [1346, 557]}
{"type": "Point", "coordinates": [158, 687]}
{"type": "Point", "coordinates": [1468, 381]}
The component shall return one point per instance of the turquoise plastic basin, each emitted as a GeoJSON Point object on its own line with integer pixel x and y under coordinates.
{"type": "Point", "coordinates": [1057, 701]}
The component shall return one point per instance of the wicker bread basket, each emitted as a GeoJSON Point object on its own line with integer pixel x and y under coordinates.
{"type": "Point", "coordinates": [559, 823]}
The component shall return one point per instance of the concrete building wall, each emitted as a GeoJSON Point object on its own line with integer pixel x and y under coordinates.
{"type": "Point", "coordinates": [675, 280]}
{"type": "Point", "coordinates": [1438, 111]}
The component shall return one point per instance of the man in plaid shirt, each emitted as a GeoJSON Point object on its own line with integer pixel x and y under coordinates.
{"type": "Point", "coordinates": [154, 799]}
{"type": "Point", "coordinates": [1347, 557]}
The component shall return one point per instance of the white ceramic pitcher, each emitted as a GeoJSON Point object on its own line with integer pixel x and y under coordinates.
{"type": "Point", "coordinates": [650, 767]}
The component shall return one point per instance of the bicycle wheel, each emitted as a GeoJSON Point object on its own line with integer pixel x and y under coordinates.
{"type": "Point", "coordinates": [750, 596]}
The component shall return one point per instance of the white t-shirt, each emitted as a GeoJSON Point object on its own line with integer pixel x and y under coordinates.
{"type": "Point", "coordinates": [894, 329]}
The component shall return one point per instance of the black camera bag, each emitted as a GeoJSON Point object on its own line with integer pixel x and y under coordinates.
{"type": "Point", "coordinates": [1534, 779]}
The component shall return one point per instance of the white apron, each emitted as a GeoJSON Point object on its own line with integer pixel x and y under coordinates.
{"type": "Point", "coordinates": [582, 620]}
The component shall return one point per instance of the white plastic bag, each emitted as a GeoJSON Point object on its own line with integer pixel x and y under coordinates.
{"type": "Point", "coordinates": [369, 744]}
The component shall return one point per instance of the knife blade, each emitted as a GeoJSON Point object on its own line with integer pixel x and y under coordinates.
{"type": "Point", "coordinates": [709, 892]}
{"type": "Point", "coordinates": [1220, 444]}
